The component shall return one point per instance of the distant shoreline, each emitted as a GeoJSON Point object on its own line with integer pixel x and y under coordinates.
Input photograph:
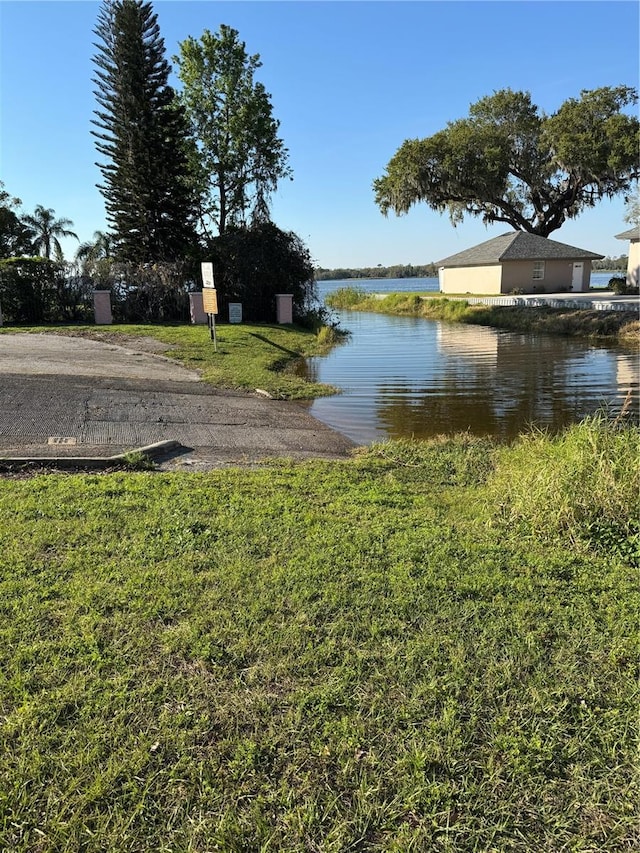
{"type": "Point", "coordinates": [399, 272]}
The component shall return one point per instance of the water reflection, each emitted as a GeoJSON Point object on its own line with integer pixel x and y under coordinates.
{"type": "Point", "coordinates": [404, 377]}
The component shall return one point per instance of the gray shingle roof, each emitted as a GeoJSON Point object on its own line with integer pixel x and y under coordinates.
{"type": "Point", "coordinates": [631, 234]}
{"type": "Point", "coordinates": [515, 246]}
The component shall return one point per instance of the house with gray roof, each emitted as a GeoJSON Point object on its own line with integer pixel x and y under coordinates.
{"type": "Point", "coordinates": [633, 264]}
{"type": "Point", "coordinates": [517, 262]}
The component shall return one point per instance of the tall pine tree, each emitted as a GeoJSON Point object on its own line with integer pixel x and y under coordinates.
{"type": "Point", "coordinates": [142, 134]}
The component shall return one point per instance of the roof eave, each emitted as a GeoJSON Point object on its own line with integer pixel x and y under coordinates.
{"type": "Point", "coordinates": [631, 234]}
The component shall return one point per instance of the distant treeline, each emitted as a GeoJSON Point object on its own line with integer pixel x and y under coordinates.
{"type": "Point", "coordinates": [430, 270]}
{"type": "Point", "coordinates": [399, 271]}
{"type": "Point", "coordinates": [619, 263]}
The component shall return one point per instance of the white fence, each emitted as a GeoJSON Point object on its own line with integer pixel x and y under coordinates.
{"type": "Point", "coordinates": [536, 302]}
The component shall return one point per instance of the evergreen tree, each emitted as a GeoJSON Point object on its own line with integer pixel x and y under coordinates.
{"type": "Point", "coordinates": [142, 133]}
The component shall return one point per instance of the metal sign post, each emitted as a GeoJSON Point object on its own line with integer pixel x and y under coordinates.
{"type": "Point", "coordinates": [210, 300]}
{"type": "Point", "coordinates": [210, 306]}
{"type": "Point", "coordinates": [212, 331]}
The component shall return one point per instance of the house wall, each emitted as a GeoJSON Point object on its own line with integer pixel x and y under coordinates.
{"type": "Point", "coordinates": [483, 280]}
{"type": "Point", "coordinates": [518, 275]}
{"type": "Point", "coordinates": [633, 265]}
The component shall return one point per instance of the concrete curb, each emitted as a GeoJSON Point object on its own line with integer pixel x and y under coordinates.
{"type": "Point", "coordinates": [151, 451]}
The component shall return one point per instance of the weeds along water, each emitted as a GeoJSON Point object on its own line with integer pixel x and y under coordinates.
{"type": "Point", "coordinates": [426, 647]}
{"type": "Point", "coordinates": [616, 326]}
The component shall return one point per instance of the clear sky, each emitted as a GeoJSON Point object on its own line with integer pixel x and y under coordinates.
{"type": "Point", "coordinates": [349, 80]}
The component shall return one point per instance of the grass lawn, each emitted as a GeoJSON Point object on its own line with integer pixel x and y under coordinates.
{"type": "Point", "coordinates": [429, 647]}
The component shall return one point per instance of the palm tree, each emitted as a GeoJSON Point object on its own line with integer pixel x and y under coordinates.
{"type": "Point", "coordinates": [95, 257]}
{"type": "Point", "coordinates": [98, 249]}
{"type": "Point", "coordinates": [47, 229]}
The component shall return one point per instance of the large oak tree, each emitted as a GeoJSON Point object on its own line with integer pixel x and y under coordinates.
{"type": "Point", "coordinates": [509, 162]}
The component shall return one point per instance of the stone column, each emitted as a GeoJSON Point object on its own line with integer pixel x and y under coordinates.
{"type": "Point", "coordinates": [102, 307]}
{"type": "Point", "coordinates": [196, 311]}
{"type": "Point", "coordinates": [284, 307]}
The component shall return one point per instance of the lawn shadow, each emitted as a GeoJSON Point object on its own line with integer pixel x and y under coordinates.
{"type": "Point", "coordinates": [277, 346]}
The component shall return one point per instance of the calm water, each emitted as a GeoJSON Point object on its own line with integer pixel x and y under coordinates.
{"type": "Point", "coordinates": [402, 377]}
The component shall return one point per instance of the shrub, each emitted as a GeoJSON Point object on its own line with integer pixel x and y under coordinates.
{"type": "Point", "coordinates": [345, 297]}
{"type": "Point", "coordinates": [451, 310]}
{"type": "Point", "coordinates": [149, 293]}
{"type": "Point", "coordinates": [401, 303]}
{"type": "Point", "coordinates": [38, 290]}
{"type": "Point", "coordinates": [620, 286]}
{"type": "Point", "coordinates": [331, 335]}
{"type": "Point", "coordinates": [254, 264]}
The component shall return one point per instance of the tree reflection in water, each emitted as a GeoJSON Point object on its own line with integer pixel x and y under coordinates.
{"type": "Point", "coordinates": [406, 377]}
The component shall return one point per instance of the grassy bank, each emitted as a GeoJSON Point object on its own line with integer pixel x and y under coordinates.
{"type": "Point", "coordinates": [248, 356]}
{"type": "Point", "coordinates": [431, 647]}
{"type": "Point", "coordinates": [617, 326]}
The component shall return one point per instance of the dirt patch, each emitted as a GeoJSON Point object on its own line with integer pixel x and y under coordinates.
{"type": "Point", "coordinates": [86, 355]}
{"type": "Point", "coordinates": [141, 343]}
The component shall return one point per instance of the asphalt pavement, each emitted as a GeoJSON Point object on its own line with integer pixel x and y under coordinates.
{"type": "Point", "coordinates": [73, 400]}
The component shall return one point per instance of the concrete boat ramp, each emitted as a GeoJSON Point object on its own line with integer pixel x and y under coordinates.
{"type": "Point", "coordinates": [75, 402]}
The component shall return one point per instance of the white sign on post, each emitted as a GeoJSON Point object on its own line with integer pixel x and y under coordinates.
{"type": "Point", "coordinates": [209, 299]}
{"type": "Point", "coordinates": [207, 274]}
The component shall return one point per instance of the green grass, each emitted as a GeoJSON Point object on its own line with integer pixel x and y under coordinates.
{"type": "Point", "coordinates": [606, 325]}
{"type": "Point", "coordinates": [393, 653]}
{"type": "Point", "coordinates": [248, 356]}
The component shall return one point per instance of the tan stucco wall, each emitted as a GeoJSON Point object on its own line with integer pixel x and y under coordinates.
{"type": "Point", "coordinates": [484, 280]}
{"type": "Point", "coordinates": [514, 275]}
{"type": "Point", "coordinates": [633, 266]}
{"type": "Point", "coordinates": [518, 275]}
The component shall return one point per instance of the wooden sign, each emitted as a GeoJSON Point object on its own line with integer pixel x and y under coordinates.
{"type": "Point", "coordinates": [210, 300]}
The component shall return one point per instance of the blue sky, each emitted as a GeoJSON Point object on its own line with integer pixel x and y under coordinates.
{"type": "Point", "coordinates": [350, 81]}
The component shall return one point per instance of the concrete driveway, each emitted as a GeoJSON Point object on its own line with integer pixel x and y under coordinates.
{"type": "Point", "coordinates": [63, 397]}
